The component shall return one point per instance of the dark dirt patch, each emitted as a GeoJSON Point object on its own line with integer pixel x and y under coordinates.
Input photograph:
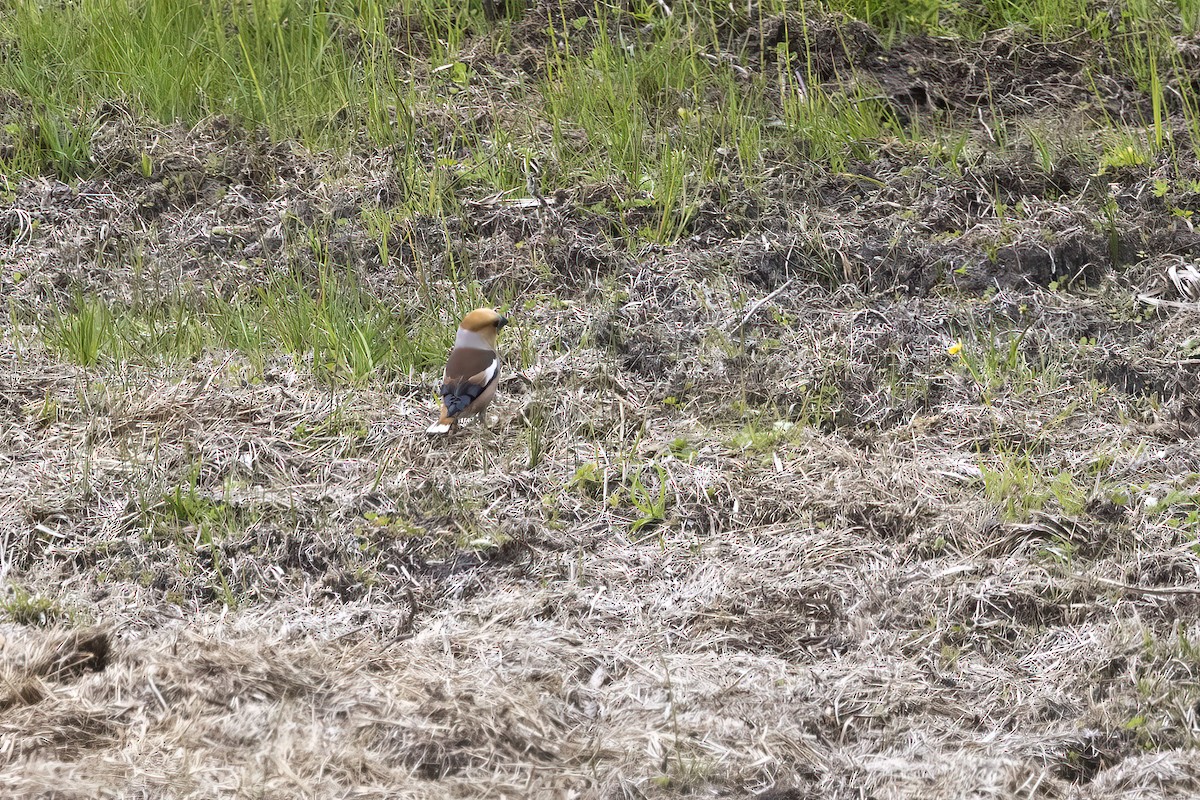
{"type": "Point", "coordinates": [1078, 257]}
{"type": "Point", "coordinates": [1007, 73]}
{"type": "Point", "coordinates": [76, 653]}
{"type": "Point", "coordinates": [833, 48]}
{"type": "Point", "coordinates": [1080, 761]}
{"type": "Point", "coordinates": [1126, 378]}
{"type": "Point", "coordinates": [794, 624]}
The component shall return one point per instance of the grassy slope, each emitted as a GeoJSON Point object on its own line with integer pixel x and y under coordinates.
{"type": "Point", "coordinates": [836, 455]}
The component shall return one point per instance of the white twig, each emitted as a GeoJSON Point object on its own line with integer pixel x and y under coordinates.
{"type": "Point", "coordinates": [760, 303]}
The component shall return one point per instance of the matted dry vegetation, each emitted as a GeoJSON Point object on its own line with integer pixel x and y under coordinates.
{"type": "Point", "coordinates": [876, 481]}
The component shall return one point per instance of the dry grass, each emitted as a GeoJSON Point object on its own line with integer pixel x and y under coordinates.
{"type": "Point", "coordinates": [871, 485]}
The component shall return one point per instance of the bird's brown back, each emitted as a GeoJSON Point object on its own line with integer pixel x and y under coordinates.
{"type": "Point", "coordinates": [467, 362]}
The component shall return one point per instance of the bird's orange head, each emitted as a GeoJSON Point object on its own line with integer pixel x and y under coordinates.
{"type": "Point", "coordinates": [486, 322]}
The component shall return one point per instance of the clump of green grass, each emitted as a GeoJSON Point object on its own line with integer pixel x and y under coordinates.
{"type": "Point", "coordinates": [184, 505]}
{"type": "Point", "coordinates": [338, 425]}
{"type": "Point", "coordinates": [642, 489]}
{"type": "Point", "coordinates": [347, 334]}
{"type": "Point", "coordinates": [648, 496]}
{"type": "Point", "coordinates": [1178, 505]}
{"type": "Point", "coordinates": [26, 608]}
{"type": "Point", "coordinates": [194, 522]}
{"type": "Point", "coordinates": [589, 479]}
{"type": "Point", "coordinates": [1020, 486]}
{"type": "Point", "coordinates": [651, 114]}
{"type": "Point", "coordinates": [82, 334]}
{"type": "Point", "coordinates": [638, 112]}
{"type": "Point", "coordinates": [337, 327]}
{"type": "Point", "coordinates": [537, 421]}
{"type": "Point", "coordinates": [997, 362]}
{"type": "Point", "coordinates": [94, 331]}
{"type": "Point", "coordinates": [343, 333]}
{"type": "Point", "coordinates": [53, 139]}
{"type": "Point", "coordinates": [757, 436]}
{"type": "Point", "coordinates": [838, 129]}
{"type": "Point", "coordinates": [278, 63]}
{"type": "Point", "coordinates": [656, 109]}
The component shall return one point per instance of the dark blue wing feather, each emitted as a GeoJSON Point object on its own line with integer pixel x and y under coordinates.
{"type": "Point", "coordinates": [458, 396]}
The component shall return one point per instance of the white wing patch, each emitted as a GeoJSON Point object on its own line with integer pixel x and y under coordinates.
{"type": "Point", "coordinates": [490, 372]}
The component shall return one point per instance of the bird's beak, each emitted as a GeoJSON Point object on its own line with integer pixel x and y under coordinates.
{"type": "Point", "coordinates": [500, 323]}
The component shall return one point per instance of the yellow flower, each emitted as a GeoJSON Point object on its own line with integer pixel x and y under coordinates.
{"type": "Point", "coordinates": [954, 349]}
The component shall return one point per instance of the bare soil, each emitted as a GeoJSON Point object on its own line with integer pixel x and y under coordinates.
{"type": "Point", "coordinates": [834, 605]}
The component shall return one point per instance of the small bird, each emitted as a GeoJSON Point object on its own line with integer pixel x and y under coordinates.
{"type": "Point", "coordinates": [472, 370]}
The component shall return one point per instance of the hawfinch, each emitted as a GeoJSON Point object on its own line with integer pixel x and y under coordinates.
{"type": "Point", "coordinates": [472, 370]}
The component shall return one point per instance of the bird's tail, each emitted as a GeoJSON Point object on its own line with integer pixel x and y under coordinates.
{"type": "Point", "coordinates": [443, 425]}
